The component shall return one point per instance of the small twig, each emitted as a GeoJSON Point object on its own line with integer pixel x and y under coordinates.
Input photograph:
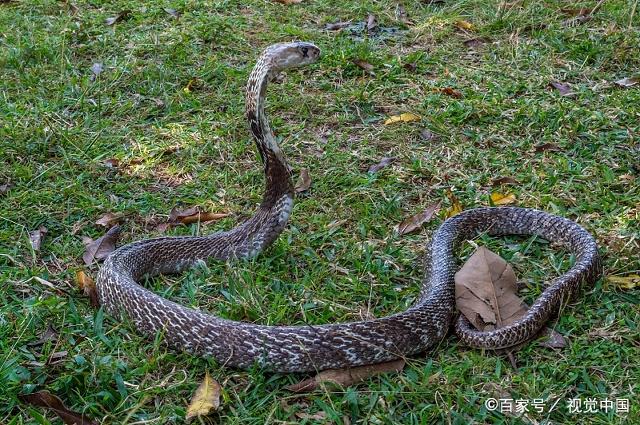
{"type": "Point", "coordinates": [633, 12]}
{"type": "Point", "coordinates": [598, 6]}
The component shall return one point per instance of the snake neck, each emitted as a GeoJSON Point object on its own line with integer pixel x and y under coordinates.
{"type": "Point", "coordinates": [278, 176]}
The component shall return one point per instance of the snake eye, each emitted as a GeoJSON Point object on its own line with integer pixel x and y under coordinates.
{"type": "Point", "coordinates": [305, 50]}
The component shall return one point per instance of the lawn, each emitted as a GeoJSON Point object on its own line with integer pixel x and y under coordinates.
{"type": "Point", "coordinates": [140, 115]}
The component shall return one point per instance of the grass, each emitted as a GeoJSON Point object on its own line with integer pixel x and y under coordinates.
{"type": "Point", "coordinates": [59, 123]}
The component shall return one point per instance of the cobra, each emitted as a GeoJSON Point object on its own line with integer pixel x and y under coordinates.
{"type": "Point", "coordinates": [316, 347]}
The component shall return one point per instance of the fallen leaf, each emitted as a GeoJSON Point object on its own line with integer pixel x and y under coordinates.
{"type": "Point", "coordinates": [475, 42]}
{"type": "Point", "coordinates": [486, 291]}
{"type": "Point", "coordinates": [101, 247]}
{"type": "Point", "coordinates": [49, 334]}
{"type": "Point", "coordinates": [4, 188]}
{"type": "Point", "coordinates": [372, 22]}
{"type": "Point", "coordinates": [109, 219]}
{"type": "Point", "coordinates": [552, 339]}
{"type": "Point", "coordinates": [96, 70]}
{"type": "Point", "coordinates": [404, 117]}
{"type": "Point", "coordinates": [411, 66]}
{"type": "Point", "coordinates": [336, 26]}
{"type": "Point", "coordinates": [401, 13]}
{"type": "Point", "coordinates": [112, 162]}
{"type": "Point", "coordinates": [57, 357]}
{"type": "Point", "coordinates": [172, 12]}
{"type": "Point", "coordinates": [414, 222]}
{"type": "Point", "coordinates": [464, 25]}
{"type": "Point", "coordinates": [625, 282]}
{"type": "Point", "coordinates": [315, 416]}
{"type": "Point", "coordinates": [36, 236]}
{"type": "Point", "coordinates": [346, 377]}
{"type": "Point", "coordinates": [563, 88]}
{"type": "Point", "coordinates": [190, 85]}
{"type": "Point", "coordinates": [115, 19]}
{"type": "Point", "coordinates": [88, 287]}
{"type": "Point", "coordinates": [50, 401]}
{"type": "Point", "coordinates": [366, 66]}
{"type": "Point", "coordinates": [503, 180]}
{"type": "Point", "coordinates": [498, 198]}
{"type": "Point", "coordinates": [579, 16]}
{"type": "Point", "coordinates": [429, 135]}
{"type": "Point", "coordinates": [450, 92]}
{"type": "Point", "coordinates": [205, 399]}
{"type": "Point", "coordinates": [456, 206]}
{"type": "Point", "coordinates": [287, 2]}
{"type": "Point", "coordinates": [552, 147]}
{"type": "Point", "coordinates": [193, 215]}
{"type": "Point", "coordinates": [304, 181]}
{"type": "Point", "coordinates": [628, 82]}
{"type": "Point", "coordinates": [384, 162]}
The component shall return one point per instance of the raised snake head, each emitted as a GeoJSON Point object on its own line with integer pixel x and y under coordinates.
{"type": "Point", "coordinates": [290, 55]}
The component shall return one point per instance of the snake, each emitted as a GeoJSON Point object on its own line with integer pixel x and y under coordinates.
{"type": "Point", "coordinates": [309, 347]}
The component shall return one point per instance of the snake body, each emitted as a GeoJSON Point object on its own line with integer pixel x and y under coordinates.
{"type": "Point", "coordinates": [309, 347]}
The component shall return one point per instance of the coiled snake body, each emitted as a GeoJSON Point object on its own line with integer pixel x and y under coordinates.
{"type": "Point", "coordinates": [306, 347]}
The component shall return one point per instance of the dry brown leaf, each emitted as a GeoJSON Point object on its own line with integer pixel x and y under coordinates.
{"type": "Point", "coordinates": [205, 399]}
{"type": "Point", "coordinates": [503, 180]}
{"type": "Point", "coordinates": [625, 282]}
{"type": "Point", "coordinates": [112, 162]}
{"type": "Point", "coordinates": [364, 65]}
{"type": "Point", "coordinates": [346, 377]}
{"type": "Point", "coordinates": [475, 42]}
{"type": "Point", "coordinates": [50, 401]}
{"type": "Point", "coordinates": [49, 334]}
{"type": "Point", "coordinates": [336, 26]}
{"type": "Point", "coordinates": [414, 222]}
{"type": "Point", "coordinates": [4, 188]}
{"type": "Point", "coordinates": [552, 147]}
{"type": "Point", "coordinates": [628, 82]}
{"type": "Point", "coordinates": [88, 287]}
{"type": "Point", "coordinates": [429, 135]}
{"type": "Point", "coordinates": [315, 416]}
{"type": "Point", "coordinates": [101, 247]}
{"type": "Point", "coordinates": [456, 205]}
{"type": "Point", "coordinates": [404, 117]}
{"type": "Point", "coordinates": [372, 22]}
{"type": "Point", "coordinates": [115, 19]}
{"type": "Point", "coordinates": [288, 2]}
{"type": "Point", "coordinates": [464, 25]}
{"type": "Point", "coordinates": [193, 215]}
{"type": "Point", "coordinates": [552, 339]}
{"type": "Point", "coordinates": [57, 357]}
{"type": "Point", "coordinates": [451, 92]}
{"type": "Point", "coordinates": [384, 162]}
{"type": "Point", "coordinates": [498, 198]}
{"type": "Point", "coordinates": [109, 219]}
{"type": "Point", "coordinates": [486, 291]}
{"type": "Point", "coordinates": [304, 181]}
{"type": "Point", "coordinates": [563, 88]}
{"type": "Point", "coordinates": [401, 13]}
{"type": "Point", "coordinates": [36, 236]}
{"type": "Point", "coordinates": [411, 66]}
{"type": "Point", "coordinates": [579, 16]}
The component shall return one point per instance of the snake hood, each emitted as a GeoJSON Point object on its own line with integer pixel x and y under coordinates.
{"type": "Point", "coordinates": [291, 55]}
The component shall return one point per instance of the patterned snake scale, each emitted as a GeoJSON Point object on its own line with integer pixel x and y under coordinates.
{"type": "Point", "coordinates": [310, 347]}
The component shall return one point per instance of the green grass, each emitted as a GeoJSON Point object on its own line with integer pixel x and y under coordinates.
{"type": "Point", "coordinates": [58, 126]}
